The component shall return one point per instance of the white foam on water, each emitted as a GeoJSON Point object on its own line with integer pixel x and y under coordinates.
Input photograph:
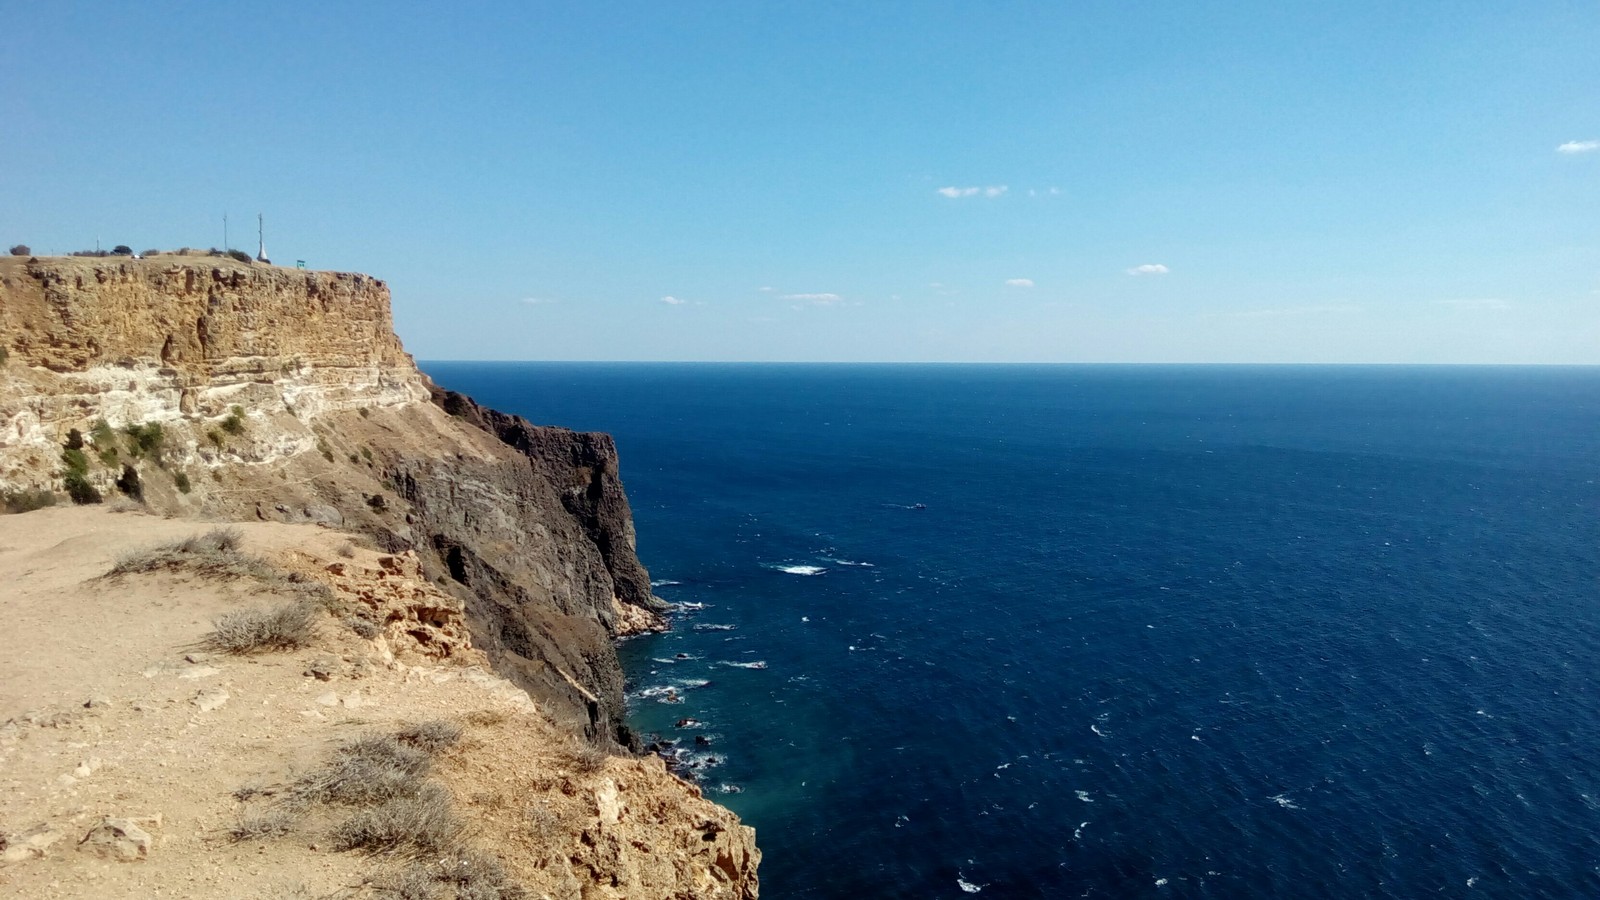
{"type": "Point", "coordinates": [688, 606]}
{"type": "Point", "coordinates": [755, 664]}
{"type": "Point", "coordinates": [661, 693]}
{"type": "Point", "coordinates": [967, 886]}
{"type": "Point", "coordinates": [1084, 796]}
{"type": "Point", "coordinates": [1096, 730]}
{"type": "Point", "coordinates": [1161, 882]}
{"type": "Point", "coordinates": [800, 570]}
{"type": "Point", "coordinates": [664, 583]}
{"type": "Point", "coordinates": [1284, 801]}
{"type": "Point", "coordinates": [850, 562]}
{"type": "Point", "coordinates": [706, 626]}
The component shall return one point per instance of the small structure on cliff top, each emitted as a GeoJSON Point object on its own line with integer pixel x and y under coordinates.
{"type": "Point", "coordinates": [261, 238]}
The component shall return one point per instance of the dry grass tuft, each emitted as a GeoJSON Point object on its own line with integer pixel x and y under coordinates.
{"type": "Point", "coordinates": [464, 875]}
{"type": "Point", "coordinates": [374, 768]}
{"type": "Point", "coordinates": [259, 825]}
{"type": "Point", "coordinates": [431, 736]}
{"type": "Point", "coordinates": [364, 628]}
{"type": "Point", "coordinates": [588, 759]}
{"type": "Point", "coordinates": [420, 822]}
{"type": "Point", "coordinates": [288, 626]}
{"type": "Point", "coordinates": [217, 554]}
{"type": "Point", "coordinates": [487, 718]}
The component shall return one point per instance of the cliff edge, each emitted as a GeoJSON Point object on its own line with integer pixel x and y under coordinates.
{"type": "Point", "coordinates": [211, 389]}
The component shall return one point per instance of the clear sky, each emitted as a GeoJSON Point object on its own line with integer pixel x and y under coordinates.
{"type": "Point", "coordinates": [941, 181]}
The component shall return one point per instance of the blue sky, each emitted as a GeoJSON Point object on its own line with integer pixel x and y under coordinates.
{"type": "Point", "coordinates": [1163, 182]}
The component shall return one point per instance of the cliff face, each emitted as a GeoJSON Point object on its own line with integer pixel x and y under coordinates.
{"type": "Point", "coordinates": [285, 395]}
{"type": "Point", "coordinates": [214, 389]}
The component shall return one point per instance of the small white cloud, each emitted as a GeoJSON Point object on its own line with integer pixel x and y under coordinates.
{"type": "Point", "coordinates": [953, 192]}
{"type": "Point", "coordinates": [1579, 147]}
{"type": "Point", "coordinates": [818, 299]}
{"type": "Point", "coordinates": [1149, 269]}
{"type": "Point", "coordinates": [537, 301]}
{"type": "Point", "coordinates": [1019, 282]}
{"type": "Point", "coordinates": [765, 289]}
{"type": "Point", "coordinates": [1474, 303]}
{"type": "Point", "coordinates": [673, 301]}
{"type": "Point", "coordinates": [1283, 311]}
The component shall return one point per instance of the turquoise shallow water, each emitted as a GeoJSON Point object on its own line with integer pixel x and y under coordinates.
{"type": "Point", "coordinates": [1156, 631]}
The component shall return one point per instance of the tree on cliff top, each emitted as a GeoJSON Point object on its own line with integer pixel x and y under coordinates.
{"type": "Point", "coordinates": [21, 250]}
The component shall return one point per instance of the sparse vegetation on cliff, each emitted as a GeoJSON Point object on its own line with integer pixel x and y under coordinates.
{"type": "Point", "coordinates": [288, 626]}
{"type": "Point", "coordinates": [26, 501]}
{"type": "Point", "coordinates": [146, 440]}
{"type": "Point", "coordinates": [21, 250]}
{"type": "Point", "coordinates": [130, 484]}
{"type": "Point", "coordinates": [75, 472]}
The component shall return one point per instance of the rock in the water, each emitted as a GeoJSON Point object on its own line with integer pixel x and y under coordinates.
{"type": "Point", "coordinates": [117, 839]}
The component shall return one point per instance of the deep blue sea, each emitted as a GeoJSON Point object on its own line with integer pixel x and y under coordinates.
{"type": "Point", "coordinates": [1233, 632]}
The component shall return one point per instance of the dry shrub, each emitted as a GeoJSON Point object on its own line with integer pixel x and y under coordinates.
{"type": "Point", "coordinates": [288, 626]}
{"type": "Point", "coordinates": [421, 822]}
{"type": "Point", "coordinates": [365, 628]}
{"type": "Point", "coordinates": [214, 554]}
{"type": "Point", "coordinates": [588, 759]}
{"type": "Point", "coordinates": [255, 825]}
{"type": "Point", "coordinates": [373, 768]}
{"type": "Point", "coordinates": [465, 875]}
{"type": "Point", "coordinates": [487, 718]}
{"type": "Point", "coordinates": [431, 736]}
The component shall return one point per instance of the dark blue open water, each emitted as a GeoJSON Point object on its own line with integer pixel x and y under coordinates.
{"type": "Point", "coordinates": [1159, 631]}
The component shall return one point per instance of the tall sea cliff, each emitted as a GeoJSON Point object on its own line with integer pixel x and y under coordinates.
{"type": "Point", "coordinates": [218, 390]}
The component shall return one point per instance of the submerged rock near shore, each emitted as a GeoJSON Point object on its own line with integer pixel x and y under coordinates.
{"type": "Point", "coordinates": [209, 389]}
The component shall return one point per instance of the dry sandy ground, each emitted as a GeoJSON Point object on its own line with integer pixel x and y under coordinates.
{"type": "Point", "coordinates": [112, 710]}
{"type": "Point", "coordinates": [109, 707]}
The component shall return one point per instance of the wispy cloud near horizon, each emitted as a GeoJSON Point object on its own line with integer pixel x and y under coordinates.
{"type": "Point", "coordinates": [1285, 311]}
{"type": "Point", "coordinates": [954, 193]}
{"type": "Point", "coordinates": [1574, 147]}
{"type": "Point", "coordinates": [1474, 303]}
{"type": "Point", "coordinates": [1019, 282]}
{"type": "Point", "coordinates": [538, 301]}
{"type": "Point", "coordinates": [817, 299]}
{"type": "Point", "coordinates": [673, 301]}
{"type": "Point", "coordinates": [1149, 269]}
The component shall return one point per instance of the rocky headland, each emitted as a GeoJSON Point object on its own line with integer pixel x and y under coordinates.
{"type": "Point", "coordinates": [473, 570]}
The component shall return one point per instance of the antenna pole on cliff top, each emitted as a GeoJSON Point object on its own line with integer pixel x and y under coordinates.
{"type": "Point", "coordinates": [261, 239]}
{"type": "Point", "coordinates": [225, 246]}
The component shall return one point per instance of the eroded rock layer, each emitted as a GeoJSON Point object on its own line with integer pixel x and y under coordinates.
{"type": "Point", "coordinates": [211, 387]}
